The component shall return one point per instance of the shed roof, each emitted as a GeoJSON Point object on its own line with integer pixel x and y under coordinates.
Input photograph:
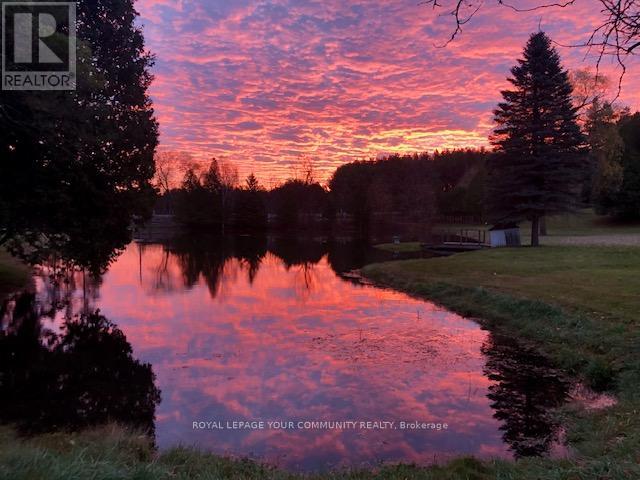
{"type": "Point", "coordinates": [504, 226]}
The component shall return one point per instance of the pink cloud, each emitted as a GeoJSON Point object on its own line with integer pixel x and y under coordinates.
{"type": "Point", "coordinates": [266, 84]}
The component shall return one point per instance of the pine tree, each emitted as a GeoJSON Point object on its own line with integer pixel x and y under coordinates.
{"type": "Point", "coordinates": [252, 183]}
{"type": "Point", "coordinates": [539, 159]}
{"type": "Point", "coordinates": [250, 212]}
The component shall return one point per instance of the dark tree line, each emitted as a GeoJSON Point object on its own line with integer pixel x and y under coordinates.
{"type": "Point", "coordinates": [416, 188]}
{"type": "Point", "coordinates": [217, 201]}
{"type": "Point", "coordinates": [359, 195]}
{"type": "Point", "coordinates": [461, 182]}
{"type": "Point", "coordinates": [394, 185]}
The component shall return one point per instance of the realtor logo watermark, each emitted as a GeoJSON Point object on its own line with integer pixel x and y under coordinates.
{"type": "Point", "coordinates": [38, 45]}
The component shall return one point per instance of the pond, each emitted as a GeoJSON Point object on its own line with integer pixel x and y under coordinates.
{"type": "Point", "coordinates": [270, 349]}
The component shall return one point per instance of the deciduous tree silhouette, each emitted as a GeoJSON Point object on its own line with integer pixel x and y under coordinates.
{"type": "Point", "coordinates": [617, 35]}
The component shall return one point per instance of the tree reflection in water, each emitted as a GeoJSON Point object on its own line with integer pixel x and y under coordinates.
{"type": "Point", "coordinates": [211, 258]}
{"type": "Point", "coordinates": [526, 391]}
{"type": "Point", "coordinates": [525, 387]}
{"type": "Point", "coordinates": [85, 375]}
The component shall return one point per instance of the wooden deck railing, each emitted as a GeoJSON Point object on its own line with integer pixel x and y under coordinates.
{"type": "Point", "coordinates": [460, 236]}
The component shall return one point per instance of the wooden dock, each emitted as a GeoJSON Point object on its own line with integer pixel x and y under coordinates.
{"type": "Point", "coordinates": [452, 241]}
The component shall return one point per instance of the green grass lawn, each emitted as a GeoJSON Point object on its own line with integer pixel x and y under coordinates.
{"type": "Point", "coordinates": [580, 306]}
{"type": "Point", "coordinates": [586, 222]}
{"type": "Point", "coordinates": [14, 275]}
{"type": "Point", "coordinates": [602, 280]}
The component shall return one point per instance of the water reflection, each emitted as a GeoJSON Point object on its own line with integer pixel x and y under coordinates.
{"type": "Point", "coordinates": [212, 258]}
{"type": "Point", "coordinates": [525, 392]}
{"type": "Point", "coordinates": [84, 375]}
{"type": "Point", "coordinates": [267, 329]}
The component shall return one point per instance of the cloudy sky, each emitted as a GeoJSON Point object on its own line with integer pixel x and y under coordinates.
{"type": "Point", "coordinates": [268, 84]}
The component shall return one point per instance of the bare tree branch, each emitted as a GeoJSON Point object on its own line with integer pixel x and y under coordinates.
{"type": "Point", "coordinates": [617, 36]}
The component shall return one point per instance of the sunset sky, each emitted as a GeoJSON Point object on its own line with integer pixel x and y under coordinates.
{"type": "Point", "coordinates": [268, 84]}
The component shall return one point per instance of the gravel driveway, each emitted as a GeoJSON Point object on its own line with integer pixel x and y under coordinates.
{"type": "Point", "coordinates": [615, 240]}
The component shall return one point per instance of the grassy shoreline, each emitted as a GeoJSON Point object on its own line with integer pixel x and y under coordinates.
{"type": "Point", "coordinates": [577, 305]}
{"type": "Point", "coordinates": [111, 452]}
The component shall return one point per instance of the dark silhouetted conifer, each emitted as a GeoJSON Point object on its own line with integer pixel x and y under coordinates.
{"type": "Point", "coordinates": [540, 160]}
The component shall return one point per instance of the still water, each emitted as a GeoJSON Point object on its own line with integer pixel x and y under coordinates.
{"type": "Point", "coordinates": [221, 332]}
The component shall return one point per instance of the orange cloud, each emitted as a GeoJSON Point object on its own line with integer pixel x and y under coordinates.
{"type": "Point", "coordinates": [265, 84]}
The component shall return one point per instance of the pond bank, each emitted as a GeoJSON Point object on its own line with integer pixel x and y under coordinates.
{"type": "Point", "coordinates": [577, 305]}
{"type": "Point", "coordinates": [112, 452]}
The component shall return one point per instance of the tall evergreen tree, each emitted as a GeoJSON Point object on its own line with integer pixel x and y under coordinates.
{"type": "Point", "coordinates": [540, 160]}
{"type": "Point", "coordinates": [252, 183]}
{"type": "Point", "coordinates": [250, 212]}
